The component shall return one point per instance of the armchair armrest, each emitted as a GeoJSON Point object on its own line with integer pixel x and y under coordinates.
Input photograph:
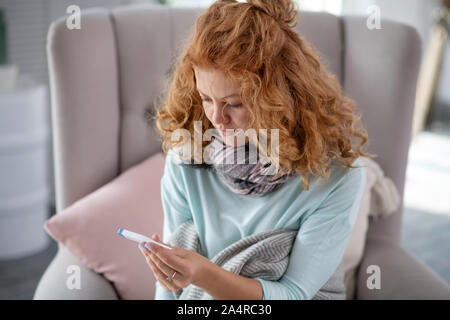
{"type": "Point", "coordinates": [53, 284]}
{"type": "Point", "coordinates": [403, 276]}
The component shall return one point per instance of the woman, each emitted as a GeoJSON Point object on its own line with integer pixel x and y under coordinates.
{"type": "Point", "coordinates": [246, 68]}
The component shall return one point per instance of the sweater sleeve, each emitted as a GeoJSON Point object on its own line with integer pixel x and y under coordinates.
{"type": "Point", "coordinates": [175, 207]}
{"type": "Point", "coordinates": [321, 242]}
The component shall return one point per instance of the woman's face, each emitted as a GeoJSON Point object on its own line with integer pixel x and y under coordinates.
{"type": "Point", "coordinates": [222, 102]}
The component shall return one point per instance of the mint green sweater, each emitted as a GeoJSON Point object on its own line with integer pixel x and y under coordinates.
{"type": "Point", "coordinates": [324, 217]}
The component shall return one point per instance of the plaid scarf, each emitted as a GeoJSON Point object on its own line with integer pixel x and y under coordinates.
{"type": "Point", "coordinates": [241, 170]}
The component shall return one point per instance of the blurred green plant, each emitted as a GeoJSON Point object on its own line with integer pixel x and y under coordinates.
{"type": "Point", "coordinates": [3, 40]}
{"type": "Point", "coordinates": [166, 2]}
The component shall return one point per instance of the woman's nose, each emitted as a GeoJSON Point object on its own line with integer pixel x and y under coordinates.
{"type": "Point", "coordinates": [220, 115]}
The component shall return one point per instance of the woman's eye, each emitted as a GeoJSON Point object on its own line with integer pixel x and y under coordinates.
{"type": "Point", "coordinates": [231, 105]}
{"type": "Point", "coordinates": [203, 100]}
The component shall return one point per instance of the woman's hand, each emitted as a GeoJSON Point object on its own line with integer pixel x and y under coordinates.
{"type": "Point", "coordinates": [188, 264]}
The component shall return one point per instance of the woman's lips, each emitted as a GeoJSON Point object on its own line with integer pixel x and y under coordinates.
{"type": "Point", "coordinates": [224, 132]}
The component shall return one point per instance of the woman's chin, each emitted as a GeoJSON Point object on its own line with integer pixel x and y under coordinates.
{"type": "Point", "coordinates": [233, 141]}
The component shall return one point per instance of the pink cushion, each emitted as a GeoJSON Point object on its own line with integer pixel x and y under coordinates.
{"type": "Point", "coordinates": [88, 228]}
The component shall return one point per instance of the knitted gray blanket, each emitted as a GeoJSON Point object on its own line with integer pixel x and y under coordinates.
{"type": "Point", "coordinates": [264, 255]}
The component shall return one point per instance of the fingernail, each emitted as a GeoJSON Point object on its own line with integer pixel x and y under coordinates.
{"type": "Point", "coordinates": [148, 246]}
{"type": "Point", "coordinates": [141, 246]}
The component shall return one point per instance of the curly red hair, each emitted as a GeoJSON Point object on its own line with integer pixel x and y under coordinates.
{"type": "Point", "coordinates": [283, 85]}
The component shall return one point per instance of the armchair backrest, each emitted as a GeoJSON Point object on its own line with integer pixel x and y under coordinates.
{"type": "Point", "coordinates": [105, 76]}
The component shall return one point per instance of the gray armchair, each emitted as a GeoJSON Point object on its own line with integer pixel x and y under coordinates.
{"type": "Point", "coordinates": [105, 76]}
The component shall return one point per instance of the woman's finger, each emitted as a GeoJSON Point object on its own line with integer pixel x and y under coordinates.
{"type": "Point", "coordinates": [161, 270]}
{"type": "Point", "coordinates": [161, 265]}
{"type": "Point", "coordinates": [162, 279]}
{"type": "Point", "coordinates": [171, 260]}
{"type": "Point", "coordinates": [179, 279]}
{"type": "Point", "coordinates": [159, 275]}
{"type": "Point", "coordinates": [176, 251]}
